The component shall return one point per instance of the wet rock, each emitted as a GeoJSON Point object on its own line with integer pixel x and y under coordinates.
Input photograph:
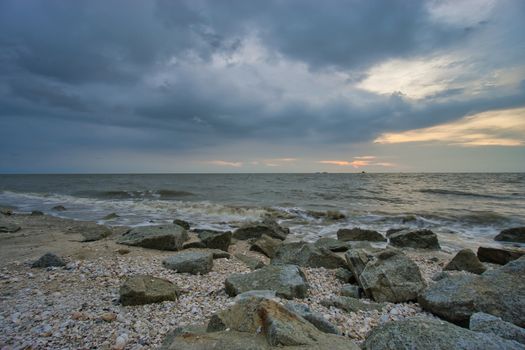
{"type": "Point", "coordinates": [59, 208]}
{"type": "Point", "coordinates": [466, 260]}
{"type": "Point", "coordinates": [215, 239]}
{"type": "Point", "coordinates": [350, 290]}
{"type": "Point", "coordinates": [421, 333]}
{"type": "Point", "coordinates": [515, 234]}
{"type": "Point", "coordinates": [162, 237]}
{"type": "Point", "coordinates": [251, 262]}
{"type": "Point", "coordinates": [391, 231]}
{"type": "Point", "coordinates": [190, 262]}
{"type": "Point", "coordinates": [498, 255]}
{"type": "Point", "coordinates": [421, 239]}
{"type": "Point", "coordinates": [111, 216]}
{"type": "Point", "coordinates": [500, 292]}
{"type": "Point", "coordinates": [266, 245]}
{"type": "Point", "coordinates": [184, 224]}
{"type": "Point", "coordinates": [7, 227]}
{"type": "Point", "coordinates": [345, 275]}
{"type": "Point", "coordinates": [49, 260]}
{"type": "Point", "coordinates": [144, 289]}
{"type": "Point", "coordinates": [288, 281]}
{"type": "Point", "coordinates": [332, 244]}
{"type": "Point", "coordinates": [349, 304]}
{"type": "Point", "coordinates": [307, 255]}
{"type": "Point", "coordinates": [314, 318]}
{"type": "Point", "coordinates": [486, 323]}
{"type": "Point", "coordinates": [37, 213]}
{"type": "Point", "coordinates": [359, 234]}
{"type": "Point", "coordinates": [266, 227]}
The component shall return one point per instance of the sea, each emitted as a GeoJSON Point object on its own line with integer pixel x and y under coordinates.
{"type": "Point", "coordinates": [462, 208]}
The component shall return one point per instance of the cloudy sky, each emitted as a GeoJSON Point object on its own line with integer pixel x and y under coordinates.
{"type": "Point", "coordinates": [262, 86]}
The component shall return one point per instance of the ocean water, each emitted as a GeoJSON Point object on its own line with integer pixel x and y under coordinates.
{"type": "Point", "coordinates": [461, 208]}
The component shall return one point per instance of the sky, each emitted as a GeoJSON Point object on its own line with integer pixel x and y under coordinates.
{"type": "Point", "coordinates": [116, 86]}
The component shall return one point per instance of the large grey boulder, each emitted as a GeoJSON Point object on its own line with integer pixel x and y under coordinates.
{"type": "Point", "coordinates": [7, 227]}
{"type": "Point", "coordinates": [266, 245]}
{"type": "Point", "coordinates": [288, 281]}
{"type": "Point", "coordinates": [431, 334]}
{"type": "Point", "coordinates": [194, 262]}
{"type": "Point", "coordinates": [466, 260]}
{"type": "Point", "coordinates": [93, 232]}
{"type": "Point", "coordinates": [144, 289]}
{"type": "Point", "coordinates": [486, 323]}
{"type": "Point", "coordinates": [359, 234]}
{"type": "Point", "coordinates": [251, 262]}
{"type": "Point", "coordinates": [315, 318]}
{"type": "Point", "coordinates": [307, 255]}
{"type": "Point", "coordinates": [422, 239]}
{"type": "Point", "coordinates": [500, 292]}
{"type": "Point", "coordinates": [391, 276]}
{"type": "Point", "coordinates": [498, 255]}
{"type": "Point", "coordinates": [266, 227]}
{"type": "Point", "coordinates": [162, 237]}
{"type": "Point", "coordinates": [332, 244]}
{"type": "Point", "coordinates": [356, 260]}
{"type": "Point", "coordinates": [215, 239]}
{"type": "Point", "coordinates": [350, 304]}
{"type": "Point", "coordinates": [515, 234]}
{"type": "Point", "coordinates": [49, 260]}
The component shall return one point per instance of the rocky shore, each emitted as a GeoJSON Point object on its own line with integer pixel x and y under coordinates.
{"type": "Point", "coordinates": [68, 284]}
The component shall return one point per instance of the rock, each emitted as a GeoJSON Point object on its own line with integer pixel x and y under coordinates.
{"type": "Point", "coordinates": [7, 211]}
{"type": "Point", "coordinates": [345, 275]}
{"type": "Point", "coordinates": [332, 244]}
{"type": "Point", "coordinates": [498, 255]}
{"type": "Point", "coordinates": [59, 208]}
{"type": "Point", "coordinates": [307, 255]}
{"type": "Point", "coordinates": [391, 231]}
{"type": "Point", "coordinates": [162, 237]}
{"type": "Point", "coordinates": [49, 260]}
{"type": "Point", "coordinates": [144, 289]}
{"type": "Point", "coordinates": [7, 227]}
{"type": "Point", "coordinates": [111, 216]}
{"type": "Point", "coordinates": [226, 340]}
{"type": "Point", "coordinates": [391, 276]}
{"type": "Point", "coordinates": [330, 215]}
{"type": "Point", "coordinates": [108, 317]}
{"type": "Point", "coordinates": [485, 323]}
{"type": "Point", "coordinates": [252, 263]}
{"type": "Point", "coordinates": [264, 294]}
{"type": "Point", "coordinates": [123, 251]}
{"type": "Point", "coordinates": [356, 260]}
{"type": "Point", "coordinates": [190, 262]}
{"type": "Point", "coordinates": [288, 281]}
{"type": "Point", "coordinates": [94, 232]}
{"type": "Point", "coordinates": [500, 292]}
{"type": "Point", "coordinates": [219, 254]}
{"type": "Point", "coordinates": [359, 234]}
{"type": "Point", "coordinates": [266, 245]}
{"type": "Point", "coordinates": [421, 333]}
{"type": "Point", "coordinates": [266, 227]}
{"type": "Point", "coordinates": [37, 213]}
{"type": "Point", "coordinates": [314, 318]}
{"type": "Point", "coordinates": [350, 290]}
{"type": "Point", "coordinates": [349, 304]}
{"type": "Point", "coordinates": [184, 224]}
{"type": "Point", "coordinates": [422, 239]}
{"type": "Point", "coordinates": [215, 239]}
{"type": "Point", "coordinates": [193, 243]}
{"type": "Point", "coordinates": [466, 260]}
{"type": "Point", "coordinates": [515, 234]}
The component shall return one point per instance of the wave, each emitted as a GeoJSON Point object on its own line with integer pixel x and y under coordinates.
{"type": "Point", "coordinates": [456, 193]}
{"type": "Point", "coordinates": [148, 194]}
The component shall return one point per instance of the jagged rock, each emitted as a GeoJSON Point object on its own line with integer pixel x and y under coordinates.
{"type": "Point", "coordinates": [422, 239]}
{"type": "Point", "coordinates": [486, 323]}
{"type": "Point", "coordinates": [219, 254]}
{"type": "Point", "coordinates": [307, 255]}
{"type": "Point", "coordinates": [266, 245]}
{"type": "Point", "coordinates": [515, 234]}
{"type": "Point", "coordinates": [252, 263]}
{"type": "Point", "coordinates": [420, 333]}
{"type": "Point", "coordinates": [93, 232]}
{"type": "Point", "coordinates": [314, 318]}
{"type": "Point", "coordinates": [466, 260]}
{"type": "Point", "coordinates": [59, 208]}
{"type": "Point", "coordinates": [345, 275]}
{"type": "Point", "coordinates": [498, 255]}
{"type": "Point", "coordinates": [49, 260]}
{"type": "Point", "coordinates": [162, 237]}
{"type": "Point", "coordinates": [190, 262]}
{"type": "Point", "coordinates": [288, 281]}
{"type": "Point", "coordinates": [266, 227]}
{"type": "Point", "coordinates": [350, 304]}
{"type": "Point", "coordinates": [184, 224]}
{"type": "Point", "coordinates": [332, 244]}
{"type": "Point", "coordinates": [37, 213]}
{"type": "Point", "coordinates": [144, 289]}
{"type": "Point", "coordinates": [215, 239]}
{"type": "Point", "coordinates": [500, 292]}
{"type": "Point", "coordinates": [359, 234]}
{"type": "Point", "coordinates": [391, 276]}
{"type": "Point", "coordinates": [7, 227]}
{"type": "Point", "coordinates": [350, 290]}
{"type": "Point", "coordinates": [111, 216]}
{"type": "Point", "coordinates": [356, 260]}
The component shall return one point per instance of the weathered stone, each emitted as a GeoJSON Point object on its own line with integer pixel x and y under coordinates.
{"type": "Point", "coordinates": [37, 213]}
{"type": "Point", "coordinates": [7, 227]}
{"type": "Point", "coordinates": [356, 260]}
{"type": "Point", "coordinates": [193, 243]}
{"type": "Point", "coordinates": [498, 255]}
{"type": "Point", "coordinates": [421, 333]}
{"type": "Point", "coordinates": [59, 208]}
{"type": "Point", "coordinates": [225, 340]}
{"type": "Point", "coordinates": [93, 232]}
{"type": "Point", "coordinates": [7, 211]}
{"type": "Point", "coordinates": [219, 254]}
{"type": "Point", "coordinates": [349, 304]}
{"type": "Point", "coordinates": [184, 224]}
{"type": "Point", "coordinates": [350, 290]}
{"type": "Point", "coordinates": [49, 260]}
{"type": "Point", "coordinates": [266, 245]}
{"type": "Point", "coordinates": [466, 260]}
{"type": "Point", "coordinates": [162, 237]}
{"type": "Point", "coordinates": [485, 323]}
{"type": "Point", "coordinates": [216, 239]}
{"type": "Point", "coordinates": [332, 244]}
{"type": "Point", "coordinates": [345, 275]}
{"type": "Point", "coordinates": [359, 234]}
{"type": "Point", "coordinates": [515, 234]}
{"type": "Point", "coordinates": [391, 231]}
{"type": "Point", "coordinates": [422, 239]}
{"type": "Point", "coordinates": [314, 318]}
{"type": "Point", "coordinates": [266, 227]}
{"type": "Point", "coordinates": [193, 262]}
{"type": "Point", "coordinates": [288, 281]}
{"type": "Point", "coordinates": [264, 294]}
{"type": "Point", "coordinates": [144, 289]}
{"type": "Point", "coordinates": [500, 292]}
{"type": "Point", "coordinates": [307, 255]}
{"type": "Point", "coordinates": [251, 262]}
